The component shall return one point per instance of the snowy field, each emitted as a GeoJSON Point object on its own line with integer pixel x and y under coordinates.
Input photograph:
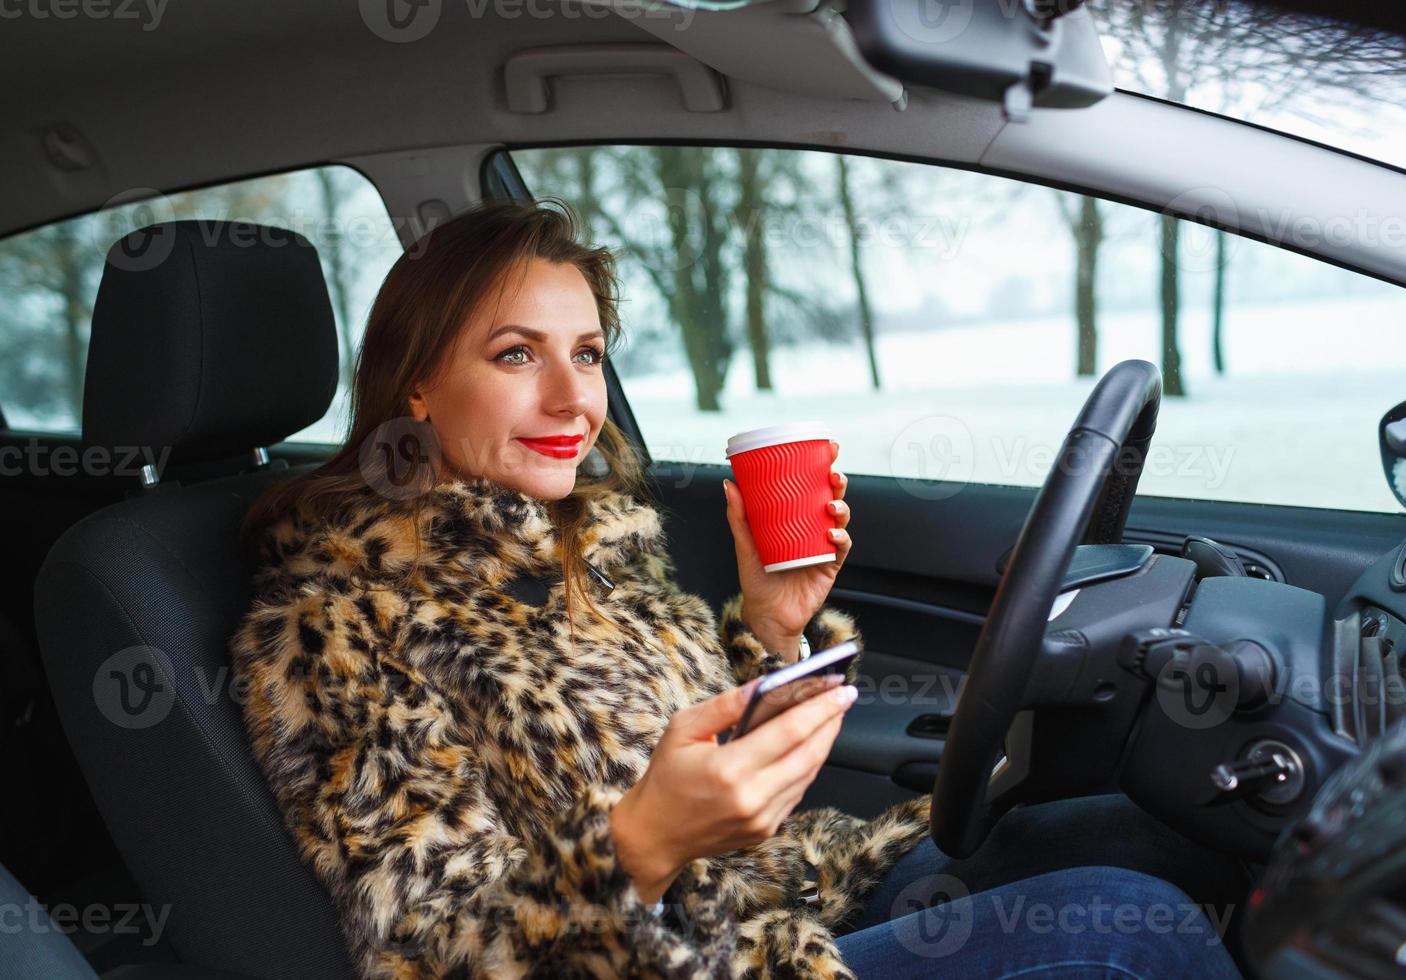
{"type": "Point", "coordinates": [1293, 421]}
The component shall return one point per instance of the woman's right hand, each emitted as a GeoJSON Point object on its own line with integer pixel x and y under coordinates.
{"type": "Point", "coordinates": [699, 798]}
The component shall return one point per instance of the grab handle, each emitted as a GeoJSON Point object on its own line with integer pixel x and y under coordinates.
{"type": "Point", "coordinates": [527, 73]}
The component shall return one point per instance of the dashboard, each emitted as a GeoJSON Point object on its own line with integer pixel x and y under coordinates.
{"type": "Point", "coordinates": [1332, 902]}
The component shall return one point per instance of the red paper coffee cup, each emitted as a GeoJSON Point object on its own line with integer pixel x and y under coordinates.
{"type": "Point", "coordinates": [783, 472]}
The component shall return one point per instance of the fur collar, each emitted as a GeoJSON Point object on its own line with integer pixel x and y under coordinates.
{"type": "Point", "coordinates": [488, 529]}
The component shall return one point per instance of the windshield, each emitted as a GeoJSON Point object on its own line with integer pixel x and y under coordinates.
{"type": "Point", "coordinates": [1312, 77]}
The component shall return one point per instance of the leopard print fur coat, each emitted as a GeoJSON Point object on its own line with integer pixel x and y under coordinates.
{"type": "Point", "coordinates": [446, 759]}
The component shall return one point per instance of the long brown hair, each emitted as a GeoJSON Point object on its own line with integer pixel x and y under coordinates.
{"type": "Point", "coordinates": [430, 293]}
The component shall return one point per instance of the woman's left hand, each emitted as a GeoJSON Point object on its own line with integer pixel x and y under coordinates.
{"type": "Point", "coordinates": [777, 605]}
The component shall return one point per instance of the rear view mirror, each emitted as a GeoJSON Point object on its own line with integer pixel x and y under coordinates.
{"type": "Point", "coordinates": [1392, 436]}
{"type": "Point", "coordinates": [1019, 53]}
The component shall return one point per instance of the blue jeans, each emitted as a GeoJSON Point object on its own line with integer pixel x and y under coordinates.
{"type": "Point", "coordinates": [1104, 831]}
{"type": "Point", "coordinates": [1103, 848]}
{"type": "Point", "coordinates": [1079, 922]}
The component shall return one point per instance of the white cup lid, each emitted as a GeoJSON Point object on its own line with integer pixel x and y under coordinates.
{"type": "Point", "coordinates": [772, 435]}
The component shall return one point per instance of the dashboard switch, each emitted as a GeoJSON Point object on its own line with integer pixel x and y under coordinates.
{"type": "Point", "coordinates": [1271, 772]}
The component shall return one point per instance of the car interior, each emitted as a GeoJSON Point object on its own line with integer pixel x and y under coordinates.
{"type": "Point", "coordinates": [1091, 621]}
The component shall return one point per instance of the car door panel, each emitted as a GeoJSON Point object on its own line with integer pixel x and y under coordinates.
{"type": "Point", "coordinates": [923, 572]}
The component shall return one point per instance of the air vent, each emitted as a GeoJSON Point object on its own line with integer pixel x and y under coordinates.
{"type": "Point", "coordinates": [1370, 940]}
{"type": "Point", "coordinates": [1370, 690]}
{"type": "Point", "coordinates": [1257, 564]}
{"type": "Point", "coordinates": [1397, 579]}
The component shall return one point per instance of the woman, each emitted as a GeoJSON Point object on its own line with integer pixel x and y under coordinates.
{"type": "Point", "coordinates": [492, 782]}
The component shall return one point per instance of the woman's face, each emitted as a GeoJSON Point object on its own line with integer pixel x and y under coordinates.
{"type": "Point", "coordinates": [529, 369]}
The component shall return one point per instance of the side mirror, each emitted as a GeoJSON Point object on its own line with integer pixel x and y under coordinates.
{"type": "Point", "coordinates": [1018, 53]}
{"type": "Point", "coordinates": [1392, 436]}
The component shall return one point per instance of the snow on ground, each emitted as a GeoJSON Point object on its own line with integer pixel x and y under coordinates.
{"type": "Point", "coordinates": [1293, 421]}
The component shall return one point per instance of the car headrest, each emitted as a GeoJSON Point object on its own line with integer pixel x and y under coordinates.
{"type": "Point", "coordinates": [210, 338]}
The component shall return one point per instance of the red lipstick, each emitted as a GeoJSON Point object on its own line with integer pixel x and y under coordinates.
{"type": "Point", "coordinates": [557, 447]}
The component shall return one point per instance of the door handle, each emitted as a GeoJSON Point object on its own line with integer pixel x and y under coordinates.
{"type": "Point", "coordinates": [917, 776]}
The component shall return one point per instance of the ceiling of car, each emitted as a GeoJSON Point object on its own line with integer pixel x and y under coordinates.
{"type": "Point", "coordinates": [177, 95]}
{"type": "Point", "coordinates": [230, 87]}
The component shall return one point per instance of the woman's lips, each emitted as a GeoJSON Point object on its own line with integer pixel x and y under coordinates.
{"type": "Point", "coordinates": [557, 447]}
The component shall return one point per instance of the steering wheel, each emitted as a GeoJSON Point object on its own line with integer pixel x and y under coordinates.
{"type": "Point", "coordinates": [1085, 499]}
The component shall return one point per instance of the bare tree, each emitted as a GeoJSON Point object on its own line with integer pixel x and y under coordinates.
{"type": "Point", "coordinates": [1239, 59]}
{"type": "Point", "coordinates": [866, 315]}
{"type": "Point", "coordinates": [1085, 222]}
{"type": "Point", "coordinates": [685, 256]}
{"type": "Point", "coordinates": [50, 277]}
{"type": "Point", "coordinates": [711, 258]}
{"type": "Point", "coordinates": [708, 248]}
{"type": "Point", "coordinates": [1218, 306]}
{"type": "Point", "coordinates": [336, 264]}
{"type": "Point", "coordinates": [750, 220]}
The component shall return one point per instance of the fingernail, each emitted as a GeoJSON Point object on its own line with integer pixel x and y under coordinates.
{"type": "Point", "coordinates": [845, 695]}
{"type": "Point", "coordinates": [834, 506]}
{"type": "Point", "coordinates": [835, 533]}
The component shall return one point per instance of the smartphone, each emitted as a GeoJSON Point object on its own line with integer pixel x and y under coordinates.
{"type": "Point", "coordinates": [792, 684]}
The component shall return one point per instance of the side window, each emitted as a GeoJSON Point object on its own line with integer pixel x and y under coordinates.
{"type": "Point", "coordinates": [49, 279]}
{"type": "Point", "coordinates": [948, 324]}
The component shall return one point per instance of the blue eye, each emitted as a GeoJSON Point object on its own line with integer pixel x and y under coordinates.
{"type": "Point", "coordinates": [598, 354]}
